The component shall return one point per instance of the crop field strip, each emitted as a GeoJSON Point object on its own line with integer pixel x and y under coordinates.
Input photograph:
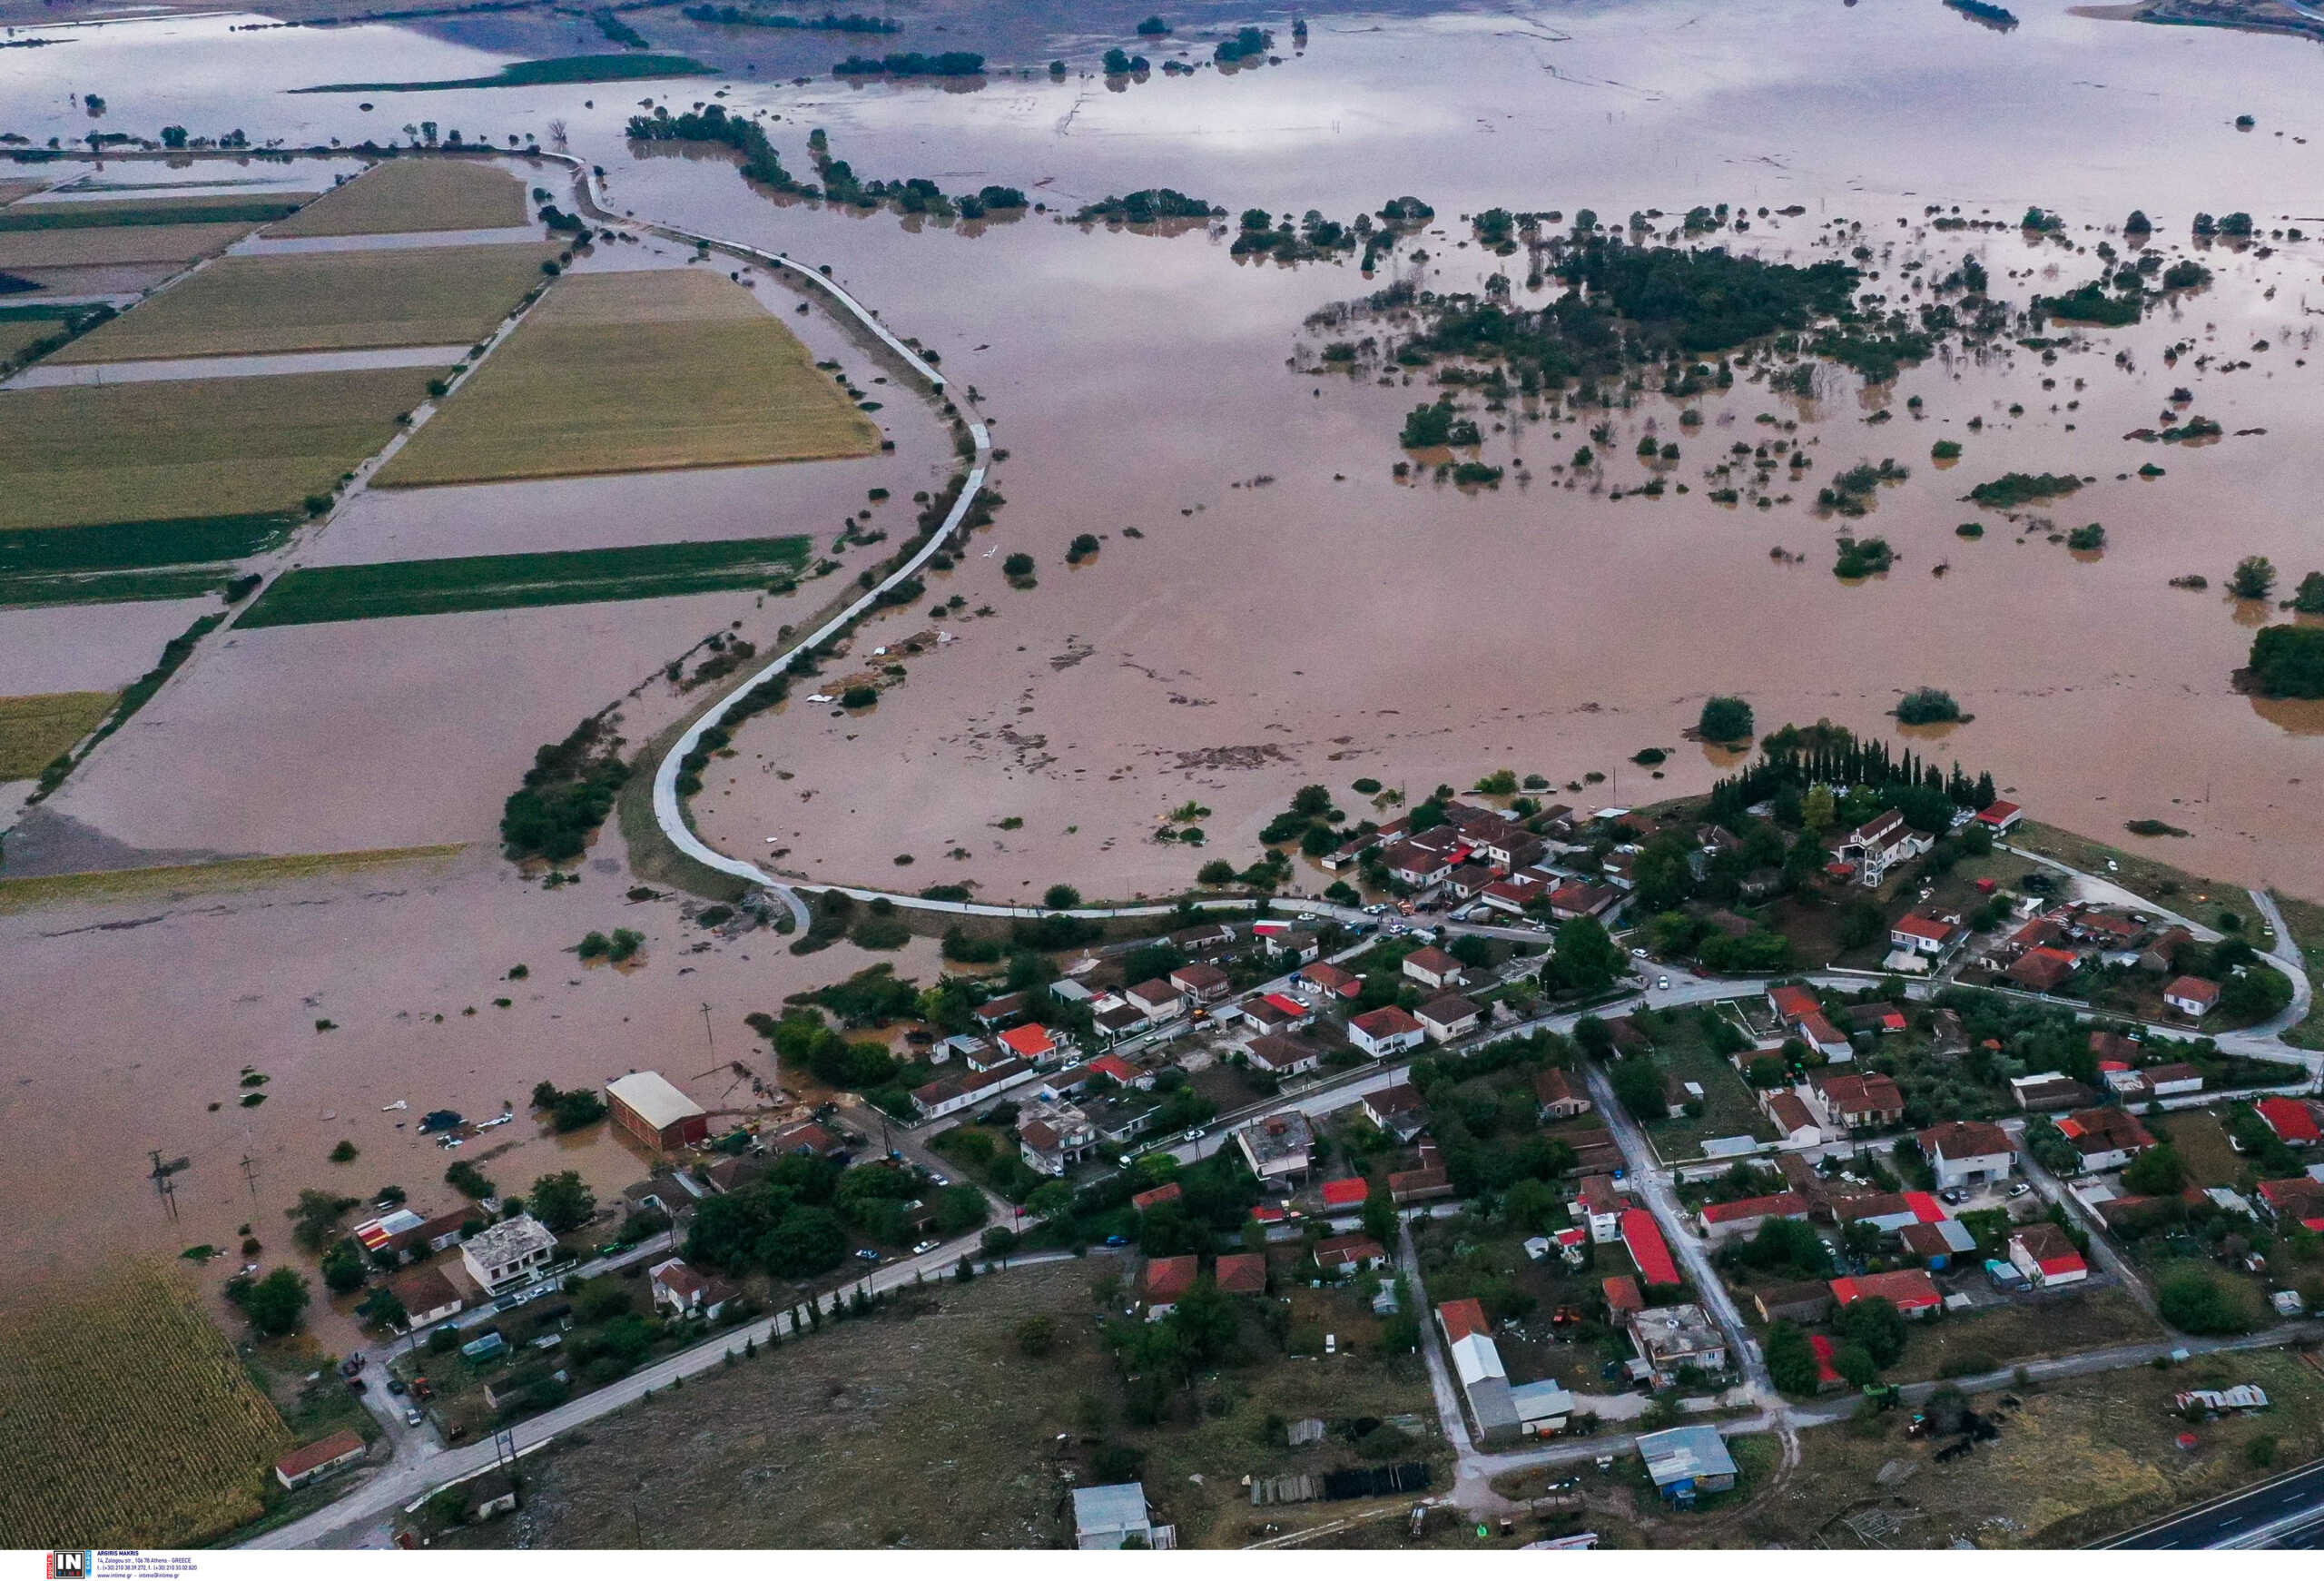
{"type": "Point", "coordinates": [473, 582]}
{"type": "Point", "coordinates": [405, 195]}
{"type": "Point", "coordinates": [148, 454]}
{"type": "Point", "coordinates": [322, 301]}
{"type": "Point", "coordinates": [636, 372]}
{"type": "Point", "coordinates": [126, 1420]}
{"type": "Point", "coordinates": [34, 730]}
{"type": "Point", "coordinates": [211, 211]}
{"type": "Point", "coordinates": [109, 885]}
{"type": "Point", "coordinates": [105, 244]}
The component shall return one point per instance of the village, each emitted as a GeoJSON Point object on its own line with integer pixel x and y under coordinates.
{"type": "Point", "coordinates": [1499, 1100]}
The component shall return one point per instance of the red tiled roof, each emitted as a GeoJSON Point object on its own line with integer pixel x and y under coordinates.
{"type": "Point", "coordinates": [1622, 1294]}
{"type": "Point", "coordinates": [1348, 1248]}
{"type": "Point", "coordinates": [1033, 1041]}
{"type": "Point", "coordinates": [1780, 1205]}
{"type": "Point", "coordinates": [1432, 960]}
{"type": "Point", "coordinates": [1167, 1192]}
{"type": "Point", "coordinates": [1388, 1020]}
{"type": "Point", "coordinates": [1168, 1277]}
{"type": "Point", "coordinates": [1825, 1373]}
{"type": "Point", "coordinates": [1647, 1249]}
{"type": "Point", "coordinates": [1289, 1006]}
{"type": "Point", "coordinates": [1114, 1065]}
{"type": "Point", "coordinates": [1347, 1193]}
{"type": "Point", "coordinates": [1242, 1273]}
{"type": "Point", "coordinates": [1927, 1207]}
{"type": "Point", "coordinates": [1793, 1002]}
{"type": "Point", "coordinates": [1998, 813]}
{"type": "Point", "coordinates": [2042, 968]}
{"type": "Point", "coordinates": [2289, 1119]}
{"type": "Point", "coordinates": [321, 1452]}
{"type": "Point", "coordinates": [1333, 979]}
{"type": "Point", "coordinates": [2201, 990]}
{"type": "Point", "coordinates": [2052, 1252]}
{"type": "Point", "coordinates": [1909, 1290]}
{"type": "Point", "coordinates": [1965, 1139]}
{"type": "Point", "coordinates": [1461, 1319]}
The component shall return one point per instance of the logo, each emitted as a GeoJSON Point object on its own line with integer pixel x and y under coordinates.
{"type": "Point", "coordinates": [70, 1565]}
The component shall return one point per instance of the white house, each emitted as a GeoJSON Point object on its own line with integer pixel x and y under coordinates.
{"type": "Point", "coordinates": [1156, 1000]}
{"type": "Point", "coordinates": [1389, 1029]}
{"type": "Point", "coordinates": [1449, 1017]}
{"type": "Point", "coordinates": [2045, 1257]}
{"type": "Point", "coordinates": [1433, 968]}
{"type": "Point", "coordinates": [1967, 1152]}
{"type": "Point", "coordinates": [686, 1292]}
{"type": "Point", "coordinates": [512, 1251]}
{"type": "Point", "coordinates": [1879, 847]}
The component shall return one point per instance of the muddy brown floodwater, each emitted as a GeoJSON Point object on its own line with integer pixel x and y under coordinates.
{"type": "Point", "coordinates": [1325, 624]}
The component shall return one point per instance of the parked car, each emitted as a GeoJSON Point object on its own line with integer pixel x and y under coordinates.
{"type": "Point", "coordinates": [352, 1365]}
{"type": "Point", "coordinates": [924, 1248]}
{"type": "Point", "coordinates": [1117, 1240]}
{"type": "Point", "coordinates": [1662, 983]}
{"type": "Point", "coordinates": [2019, 1189]}
{"type": "Point", "coordinates": [395, 1385]}
{"type": "Point", "coordinates": [357, 1386]}
{"type": "Point", "coordinates": [867, 1254]}
{"type": "Point", "coordinates": [1954, 1195]}
{"type": "Point", "coordinates": [1638, 954]}
{"type": "Point", "coordinates": [412, 1418]}
{"type": "Point", "coordinates": [938, 1178]}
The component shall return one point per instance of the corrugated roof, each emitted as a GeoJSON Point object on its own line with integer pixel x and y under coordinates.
{"type": "Point", "coordinates": [649, 1095]}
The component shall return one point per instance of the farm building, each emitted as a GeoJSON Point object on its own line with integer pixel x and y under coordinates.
{"type": "Point", "coordinates": [648, 1108]}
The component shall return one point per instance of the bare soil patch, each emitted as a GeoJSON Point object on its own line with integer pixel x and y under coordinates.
{"type": "Point", "coordinates": [413, 194]}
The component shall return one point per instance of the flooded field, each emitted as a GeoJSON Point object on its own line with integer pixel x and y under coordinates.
{"type": "Point", "coordinates": [1286, 610]}
{"type": "Point", "coordinates": [168, 999]}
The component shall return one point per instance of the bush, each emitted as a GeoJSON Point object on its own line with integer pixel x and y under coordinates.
{"type": "Point", "coordinates": [1927, 705]}
{"type": "Point", "coordinates": [1037, 1336]}
{"type": "Point", "coordinates": [2197, 1303]}
{"type": "Point", "coordinates": [859, 696]}
{"type": "Point", "coordinates": [1060, 897]}
{"type": "Point", "coordinates": [2288, 661]}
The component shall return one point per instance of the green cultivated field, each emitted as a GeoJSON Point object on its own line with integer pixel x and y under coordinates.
{"type": "Point", "coordinates": [148, 453]}
{"type": "Point", "coordinates": [211, 210]}
{"type": "Point", "coordinates": [437, 296]}
{"type": "Point", "coordinates": [448, 586]}
{"type": "Point", "coordinates": [578, 68]}
{"type": "Point", "coordinates": [124, 561]}
{"type": "Point", "coordinates": [414, 195]}
{"type": "Point", "coordinates": [32, 730]}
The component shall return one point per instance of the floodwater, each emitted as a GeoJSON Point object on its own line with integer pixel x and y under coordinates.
{"type": "Point", "coordinates": [1326, 624]}
{"type": "Point", "coordinates": [164, 1001]}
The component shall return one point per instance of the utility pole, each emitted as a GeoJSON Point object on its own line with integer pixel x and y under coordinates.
{"type": "Point", "coordinates": [162, 1185]}
{"type": "Point", "coordinates": [249, 1174]}
{"type": "Point", "coordinates": [709, 1036]}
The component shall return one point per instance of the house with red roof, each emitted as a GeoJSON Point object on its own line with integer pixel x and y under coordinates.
{"type": "Point", "coordinates": [1791, 1003]}
{"type": "Point", "coordinates": [1622, 1297]}
{"type": "Point", "coordinates": [1167, 1192]}
{"type": "Point", "coordinates": [1968, 1152]}
{"type": "Point", "coordinates": [1599, 1208]}
{"type": "Point", "coordinates": [2046, 1257]}
{"type": "Point", "coordinates": [1910, 1290]}
{"type": "Point", "coordinates": [1433, 968]}
{"type": "Point", "coordinates": [1827, 1376]}
{"type": "Point", "coordinates": [1925, 934]}
{"type": "Point", "coordinates": [2106, 1138]}
{"type": "Point", "coordinates": [1165, 1283]}
{"type": "Point", "coordinates": [1030, 1041]}
{"type": "Point", "coordinates": [1201, 982]}
{"type": "Point", "coordinates": [1642, 1238]}
{"type": "Point", "coordinates": [1389, 1029]}
{"type": "Point", "coordinates": [2000, 817]}
{"type": "Point", "coordinates": [2293, 1122]}
{"type": "Point", "coordinates": [1346, 1195]}
{"type": "Point", "coordinates": [1574, 898]}
{"type": "Point", "coordinates": [1726, 1220]}
{"type": "Point", "coordinates": [2298, 1200]}
{"type": "Point", "coordinates": [1348, 1254]}
{"type": "Point", "coordinates": [1461, 1318]}
{"type": "Point", "coordinates": [1846, 1103]}
{"type": "Point", "coordinates": [1121, 1071]}
{"type": "Point", "coordinates": [1559, 1095]}
{"type": "Point", "coordinates": [1242, 1273]}
{"type": "Point", "coordinates": [2043, 969]}
{"type": "Point", "coordinates": [1333, 980]}
{"type": "Point", "coordinates": [2192, 996]}
{"type": "Point", "coordinates": [1818, 1033]}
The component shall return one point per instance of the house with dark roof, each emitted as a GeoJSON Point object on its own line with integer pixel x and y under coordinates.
{"type": "Point", "coordinates": [1389, 1029]}
{"type": "Point", "coordinates": [2043, 969]}
{"type": "Point", "coordinates": [1559, 1096]}
{"type": "Point", "coordinates": [1242, 1273]}
{"type": "Point", "coordinates": [1201, 982]}
{"type": "Point", "coordinates": [1277, 1146]}
{"type": "Point", "coordinates": [2044, 1255]}
{"type": "Point", "coordinates": [2106, 1138]}
{"type": "Point", "coordinates": [1865, 1102]}
{"type": "Point", "coordinates": [1397, 1109]}
{"type": "Point", "coordinates": [1283, 1057]}
{"type": "Point", "coordinates": [1448, 1018]}
{"type": "Point", "coordinates": [1968, 1152]}
{"type": "Point", "coordinates": [1433, 968]}
{"type": "Point", "coordinates": [1879, 847]}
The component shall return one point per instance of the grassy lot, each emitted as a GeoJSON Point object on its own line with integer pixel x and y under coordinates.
{"type": "Point", "coordinates": [131, 1374]}
{"type": "Point", "coordinates": [219, 209]}
{"type": "Point", "coordinates": [968, 1441]}
{"type": "Point", "coordinates": [113, 563]}
{"type": "Point", "coordinates": [2005, 1336]}
{"type": "Point", "coordinates": [115, 244]}
{"type": "Point", "coordinates": [2079, 1460]}
{"type": "Point", "coordinates": [440, 296]}
{"type": "Point", "coordinates": [241, 872]}
{"type": "Point", "coordinates": [32, 730]}
{"type": "Point", "coordinates": [1728, 1109]}
{"type": "Point", "coordinates": [2306, 920]}
{"type": "Point", "coordinates": [636, 372]}
{"type": "Point", "coordinates": [414, 195]}
{"type": "Point", "coordinates": [196, 447]}
{"type": "Point", "coordinates": [108, 588]}
{"type": "Point", "coordinates": [522, 581]}
{"type": "Point", "coordinates": [2202, 1142]}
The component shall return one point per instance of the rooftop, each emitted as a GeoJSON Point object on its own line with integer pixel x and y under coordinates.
{"type": "Point", "coordinates": [650, 1096]}
{"type": "Point", "coordinates": [1684, 1455]}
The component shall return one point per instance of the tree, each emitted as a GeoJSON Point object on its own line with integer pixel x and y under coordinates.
{"type": "Point", "coordinates": [343, 1265]}
{"type": "Point", "coordinates": [315, 1219]}
{"type": "Point", "coordinates": [1724, 719]}
{"type": "Point", "coordinates": [1639, 1084]}
{"type": "Point", "coordinates": [806, 1242]}
{"type": "Point", "coordinates": [2254, 994]}
{"type": "Point", "coordinates": [1855, 1363]}
{"type": "Point", "coordinates": [1017, 566]}
{"type": "Point", "coordinates": [1875, 1323]}
{"type": "Point", "coordinates": [1049, 1200]}
{"type": "Point", "coordinates": [2158, 1172]}
{"type": "Point", "coordinates": [1791, 1360]}
{"type": "Point", "coordinates": [2288, 661]}
{"type": "Point", "coordinates": [1584, 959]}
{"type": "Point", "coordinates": [1861, 923]}
{"type": "Point", "coordinates": [1060, 897]}
{"type": "Point", "coordinates": [561, 1202]}
{"type": "Point", "coordinates": [2254, 577]}
{"type": "Point", "coordinates": [276, 1304]}
{"type": "Point", "coordinates": [173, 136]}
{"type": "Point", "coordinates": [1817, 809]}
{"type": "Point", "coordinates": [2198, 1304]}
{"type": "Point", "coordinates": [1037, 1336]}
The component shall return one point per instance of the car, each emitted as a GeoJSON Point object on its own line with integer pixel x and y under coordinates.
{"type": "Point", "coordinates": [1117, 1240]}
{"type": "Point", "coordinates": [867, 1254]}
{"type": "Point", "coordinates": [1954, 1195]}
{"type": "Point", "coordinates": [1638, 954]}
{"type": "Point", "coordinates": [352, 1365]}
{"type": "Point", "coordinates": [412, 1418]}
{"type": "Point", "coordinates": [938, 1178]}
{"type": "Point", "coordinates": [1306, 916]}
{"type": "Point", "coordinates": [924, 1248]}
{"type": "Point", "coordinates": [1662, 983]}
{"type": "Point", "coordinates": [1197, 1133]}
{"type": "Point", "coordinates": [395, 1385]}
{"type": "Point", "coordinates": [2019, 1189]}
{"type": "Point", "coordinates": [357, 1386]}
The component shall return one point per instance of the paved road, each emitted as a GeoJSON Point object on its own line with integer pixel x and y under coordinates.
{"type": "Point", "coordinates": [2286, 1511]}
